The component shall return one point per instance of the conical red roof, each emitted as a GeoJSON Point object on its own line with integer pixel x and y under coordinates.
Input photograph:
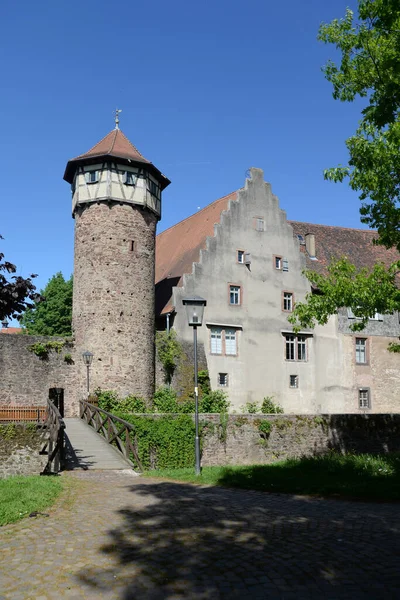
{"type": "Point", "coordinates": [116, 144]}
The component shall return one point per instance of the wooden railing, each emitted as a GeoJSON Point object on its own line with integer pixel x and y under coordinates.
{"type": "Point", "coordinates": [53, 434]}
{"type": "Point", "coordinates": [118, 433]}
{"type": "Point", "coordinates": [22, 414]}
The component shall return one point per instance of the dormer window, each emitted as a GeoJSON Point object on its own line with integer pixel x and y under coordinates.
{"type": "Point", "coordinates": [129, 178]}
{"type": "Point", "coordinates": [92, 176]}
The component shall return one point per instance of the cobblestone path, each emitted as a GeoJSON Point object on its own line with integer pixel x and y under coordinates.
{"type": "Point", "coordinates": [129, 538]}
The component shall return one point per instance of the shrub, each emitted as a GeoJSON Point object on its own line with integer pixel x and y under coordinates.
{"type": "Point", "coordinates": [107, 399]}
{"type": "Point", "coordinates": [165, 400]}
{"type": "Point", "coordinates": [264, 427]}
{"type": "Point", "coordinates": [269, 407]}
{"type": "Point", "coordinates": [169, 352]}
{"type": "Point", "coordinates": [251, 408]}
{"type": "Point", "coordinates": [133, 404]}
{"type": "Point", "coordinates": [214, 402]}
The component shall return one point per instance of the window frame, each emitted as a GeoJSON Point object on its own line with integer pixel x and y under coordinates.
{"type": "Point", "coordinates": [240, 294]}
{"type": "Point", "coordinates": [225, 376]}
{"type": "Point", "coordinates": [240, 262]}
{"type": "Point", "coordinates": [223, 341]}
{"type": "Point", "coordinates": [296, 379]}
{"type": "Point", "coordinates": [258, 220]}
{"type": "Point", "coordinates": [128, 175]}
{"type": "Point", "coordinates": [295, 341]}
{"type": "Point", "coordinates": [276, 257]}
{"type": "Point", "coordinates": [366, 349]}
{"type": "Point", "coordinates": [288, 310]}
{"type": "Point", "coordinates": [88, 175]}
{"type": "Point", "coordinates": [368, 391]}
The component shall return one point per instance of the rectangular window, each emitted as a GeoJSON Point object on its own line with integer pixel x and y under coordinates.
{"type": "Point", "coordinates": [294, 381]}
{"type": "Point", "coordinates": [361, 351]}
{"type": "Point", "coordinates": [230, 342]}
{"type": "Point", "coordinates": [216, 340]}
{"type": "Point", "coordinates": [92, 176]}
{"type": "Point", "coordinates": [260, 224]}
{"type": "Point", "coordinates": [234, 295]}
{"type": "Point", "coordinates": [295, 347]}
{"type": "Point", "coordinates": [364, 398]}
{"type": "Point", "coordinates": [278, 262]}
{"type": "Point", "coordinates": [240, 256]}
{"type": "Point", "coordinates": [285, 265]}
{"type": "Point", "coordinates": [223, 341]}
{"type": "Point", "coordinates": [287, 301]}
{"type": "Point", "coordinates": [223, 379]}
{"type": "Point", "coordinates": [132, 245]}
{"type": "Point", "coordinates": [130, 178]}
{"type": "Point", "coordinates": [154, 188]}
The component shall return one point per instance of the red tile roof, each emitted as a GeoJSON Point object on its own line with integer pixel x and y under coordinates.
{"type": "Point", "coordinates": [116, 144]}
{"type": "Point", "coordinates": [11, 330]}
{"type": "Point", "coordinates": [178, 247]}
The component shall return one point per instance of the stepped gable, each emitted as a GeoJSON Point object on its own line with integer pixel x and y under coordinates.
{"type": "Point", "coordinates": [178, 247]}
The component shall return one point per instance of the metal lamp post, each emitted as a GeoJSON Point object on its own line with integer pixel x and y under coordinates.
{"type": "Point", "coordinates": [87, 358]}
{"type": "Point", "coordinates": [194, 310]}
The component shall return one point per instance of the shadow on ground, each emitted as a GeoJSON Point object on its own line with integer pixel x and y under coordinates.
{"type": "Point", "coordinates": [182, 541]}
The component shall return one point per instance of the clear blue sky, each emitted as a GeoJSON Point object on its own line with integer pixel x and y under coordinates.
{"type": "Point", "coordinates": [207, 89]}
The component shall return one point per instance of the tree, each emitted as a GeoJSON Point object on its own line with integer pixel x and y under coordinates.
{"type": "Point", "coordinates": [53, 315]}
{"type": "Point", "coordinates": [16, 293]}
{"type": "Point", "coordinates": [369, 68]}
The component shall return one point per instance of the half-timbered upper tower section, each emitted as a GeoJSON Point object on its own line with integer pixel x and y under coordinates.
{"type": "Point", "coordinates": [114, 170]}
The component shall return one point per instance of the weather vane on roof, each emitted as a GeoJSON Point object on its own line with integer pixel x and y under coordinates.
{"type": "Point", "coordinates": [117, 112]}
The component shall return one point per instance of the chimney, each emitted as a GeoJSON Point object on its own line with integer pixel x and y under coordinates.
{"type": "Point", "coordinates": [310, 244]}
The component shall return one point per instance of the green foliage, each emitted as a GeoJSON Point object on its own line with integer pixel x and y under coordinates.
{"type": "Point", "coordinates": [223, 427]}
{"type": "Point", "coordinates": [165, 400]}
{"type": "Point", "coordinates": [394, 347]}
{"type": "Point", "coordinates": [251, 408]}
{"type": "Point", "coordinates": [169, 352]}
{"type": "Point", "coordinates": [203, 380]}
{"type": "Point", "coordinates": [19, 496]}
{"type": "Point", "coordinates": [52, 315]}
{"type": "Point", "coordinates": [68, 359]}
{"type": "Point", "coordinates": [109, 400]}
{"type": "Point", "coordinates": [365, 292]}
{"type": "Point", "coordinates": [264, 427]}
{"type": "Point", "coordinates": [268, 406]}
{"type": "Point", "coordinates": [214, 402]}
{"type": "Point", "coordinates": [42, 349]}
{"type": "Point", "coordinates": [16, 293]}
{"type": "Point", "coordinates": [356, 476]}
{"type": "Point", "coordinates": [164, 442]}
{"type": "Point", "coordinates": [370, 68]}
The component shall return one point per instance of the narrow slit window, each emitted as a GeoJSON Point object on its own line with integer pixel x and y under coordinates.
{"type": "Point", "coordinates": [132, 246]}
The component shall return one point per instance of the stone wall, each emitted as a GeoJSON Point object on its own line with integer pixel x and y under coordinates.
{"type": "Point", "coordinates": [242, 443]}
{"type": "Point", "coordinates": [19, 451]}
{"type": "Point", "coordinates": [25, 379]}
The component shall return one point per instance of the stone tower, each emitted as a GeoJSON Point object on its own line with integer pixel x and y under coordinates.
{"type": "Point", "coordinates": [116, 203]}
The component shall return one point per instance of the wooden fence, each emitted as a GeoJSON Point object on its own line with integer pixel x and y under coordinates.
{"type": "Point", "coordinates": [22, 414]}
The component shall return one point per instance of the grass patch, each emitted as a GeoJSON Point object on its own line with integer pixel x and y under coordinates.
{"type": "Point", "coordinates": [364, 477]}
{"type": "Point", "coordinates": [20, 496]}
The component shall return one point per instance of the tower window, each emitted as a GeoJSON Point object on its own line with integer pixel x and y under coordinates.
{"type": "Point", "coordinates": [130, 178]}
{"type": "Point", "coordinates": [132, 245]}
{"type": "Point", "coordinates": [92, 176]}
{"type": "Point", "coordinates": [223, 379]}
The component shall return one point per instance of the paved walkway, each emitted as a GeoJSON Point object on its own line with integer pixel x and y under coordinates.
{"type": "Point", "coordinates": [86, 449]}
{"type": "Point", "coordinates": [133, 538]}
